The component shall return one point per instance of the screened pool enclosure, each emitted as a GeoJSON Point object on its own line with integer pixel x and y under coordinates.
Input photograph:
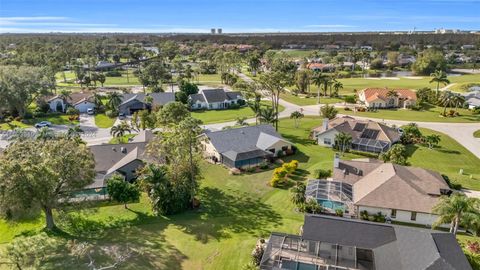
{"type": "Point", "coordinates": [331, 195]}
{"type": "Point", "coordinates": [294, 253]}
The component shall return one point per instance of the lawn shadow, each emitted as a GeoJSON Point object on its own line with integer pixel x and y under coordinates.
{"type": "Point", "coordinates": [299, 156]}
{"type": "Point", "coordinates": [222, 213]}
{"type": "Point", "coordinates": [298, 140]}
{"type": "Point", "coordinates": [410, 149]}
{"type": "Point", "coordinates": [446, 151]}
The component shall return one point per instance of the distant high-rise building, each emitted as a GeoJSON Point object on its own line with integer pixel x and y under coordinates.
{"type": "Point", "coordinates": [219, 30]}
{"type": "Point", "coordinates": [212, 31]}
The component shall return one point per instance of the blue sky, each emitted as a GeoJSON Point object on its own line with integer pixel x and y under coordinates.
{"type": "Point", "coordinates": [236, 15]}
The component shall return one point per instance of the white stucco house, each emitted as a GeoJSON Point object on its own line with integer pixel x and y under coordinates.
{"type": "Point", "coordinates": [379, 98]}
{"type": "Point", "coordinates": [80, 101]}
{"type": "Point", "coordinates": [215, 99]}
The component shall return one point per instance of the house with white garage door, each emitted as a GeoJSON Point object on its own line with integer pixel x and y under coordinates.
{"type": "Point", "coordinates": [82, 101]}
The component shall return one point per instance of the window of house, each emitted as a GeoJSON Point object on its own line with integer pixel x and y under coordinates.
{"type": "Point", "coordinates": [413, 216]}
{"type": "Point", "coordinates": [327, 141]}
{"type": "Point", "coordinates": [393, 214]}
{"type": "Point", "coordinates": [284, 148]}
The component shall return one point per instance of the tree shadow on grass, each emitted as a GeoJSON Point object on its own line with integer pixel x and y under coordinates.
{"type": "Point", "coordinates": [410, 150]}
{"type": "Point", "coordinates": [446, 151]}
{"type": "Point", "coordinates": [222, 213]}
{"type": "Point", "coordinates": [298, 140]}
{"type": "Point", "coordinates": [299, 156]}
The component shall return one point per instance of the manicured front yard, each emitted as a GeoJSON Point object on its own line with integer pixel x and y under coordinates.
{"type": "Point", "coordinates": [235, 211]}
{"type": "Point", "coordinates": [103, 121]}
{"type": "Point", "coordinates": [220, 116]}
{"type": "Point", "coordinates": [430, 115]}
{"type": "Point", "coordinates": [56, 119]}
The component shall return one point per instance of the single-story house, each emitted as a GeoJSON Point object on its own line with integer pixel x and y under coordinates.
{"type": "Point", "coordinates": [79, 100]}
{"type": "Point", "coordinates": [139, 101]}
{"type": "Point", "coordinates": [367, 135]}
{"type": "Point", "coordinates": [320, 67]}
{"type": "Point", "coordinates": [472, 98]}
{"type": "Point", "coordinates": [214, 99]}
{"type": "Point", "coordinates": [400, 193]}
{"type": "Point", "coordinates": [327, 242]}
{"type": "Point", "coordinates": [245, 146]}
{"type": "Point", "coordinates": [378, 98]}
{"type": "Point", "coordinates": [124, 159]}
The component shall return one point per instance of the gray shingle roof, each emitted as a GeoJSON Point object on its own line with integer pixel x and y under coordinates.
{"type": "Point", "coordinates": [214, 95]}
{"type": "Point", "coordinates": [395, 247]}
{"type": "Point", "coordinates": [108, 155]}
{"type": "Point", "coordinates": [243, 140]}
{"type": "Point", "coordinates": [158, 98]}
{"type": "Point", "coordinates": [197, 97]}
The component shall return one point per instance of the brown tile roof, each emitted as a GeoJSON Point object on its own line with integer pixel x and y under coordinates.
{"type": "Point", "coordinates": [75, 97]}
{"type": "Point", "coordinates": [381, 93]}
{"type": "Point", "coordinates": [392, 186]}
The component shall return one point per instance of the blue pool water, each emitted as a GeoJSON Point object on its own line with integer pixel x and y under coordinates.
{"type": "Point", "coordinates": [332, 205]}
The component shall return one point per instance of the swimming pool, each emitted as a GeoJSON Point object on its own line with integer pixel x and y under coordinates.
{"type": "Point", "coordinates": [333, 205]}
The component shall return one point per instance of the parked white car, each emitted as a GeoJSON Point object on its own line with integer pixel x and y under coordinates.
{"type": "Point", "coordinates": [43, 124]}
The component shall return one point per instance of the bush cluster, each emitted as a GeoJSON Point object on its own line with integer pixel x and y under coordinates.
{"type": "Point", "coordinates": [280, 174]}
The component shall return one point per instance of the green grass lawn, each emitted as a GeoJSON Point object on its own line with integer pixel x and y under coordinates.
{"type": "Point", "coordinates": [235, 211]}
{"type": "Point", "coordinates": [296, 54]}
{"type": "Point", "coordinates": [122, 139]}
{"type": "Point", "coordinates": [103, 121]}
{"type": "Point", "coordinates": [132, 80]}
{"type": "Point", "coordinates": [302, 101]}
{"type": "Point", "coordinates": [476, 134]}
{"type": "Point", "coordinates": [219, 116]}
{"type": "Point", "coordinates": [57, 119]}
{"type": "Point", "coordinates": [447, 159]}
{"type": "Point", "coordinates": [430, 115]}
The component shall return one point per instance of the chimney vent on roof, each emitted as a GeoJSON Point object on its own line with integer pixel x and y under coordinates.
{"type": "Point", "coordinates": [325, 124]}
{"type": "Point", "coordinates": [123, 149]}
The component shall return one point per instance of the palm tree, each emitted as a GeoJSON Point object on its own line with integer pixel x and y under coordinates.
{"type": "Point", "coordinates": [64, 95]}
{"type": "Point", "coordinates": [447, 100]}
{"type": "Point", "coordinates": [337, 86]}
{"type": "Point", "coordinates": [120, 129]}
{"type": "Point", "coordinates": [455, 209]}
{"type": "Point", "coordinates": [343, 141]}
{"type": "Point", "coordinates": [267, 115]}
{"type": "Point", "coordinates": [432, 140]}
{"type": "Point", "coordinates": [296, 116]}
{"type": "Point", "coordinates": [45, 133]}
{"type": "Point", "coordinates": [318, 80]}
{"type": "Point", "coordinates": [392, 94]}
{"type": "Point", "coordinates": [114, 100]}
{"type": "Point", "coordinates": [297, 194]}
{"type": "Point", "coordinates": [97, 100]}
{"type": "Point", "coordinates": [256, 106]}
{"type": "Point", "coordinates": [459, 100]}
{"type": "Point", "coordinates": [74, 132]}
{"type": "Point", "coordinates": [439, 77]}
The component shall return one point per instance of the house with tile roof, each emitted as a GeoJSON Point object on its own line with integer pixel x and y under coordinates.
{"type": "Point", "coordinates": [327, 242]}
{"type": "Point", "coordinates": [400, 193]}
{"type": "Point", "coordinates": [244, 147]}
{"type": "Point", "coordinates": [82, 101]}
{"type": "Point", "coordinates": [381, 98]}
{"type": "Point", "coordinates": [472, 98]}
{"type": "Point", "coordinates": [215, 99]}
{"type": "Point", "coordinates": [139, 101]}
{"type": "Point", "coordinates": [367, 135]}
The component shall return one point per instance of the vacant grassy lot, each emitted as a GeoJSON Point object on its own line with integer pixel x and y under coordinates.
{"type": "Point", "coordinates": [430, 115]}
{"type": "Point", "coordinates": [219, 116]}
{"type": "Point", "coordinates": [302, 101]}
{"type": "Point", "coordinates": [103, 121]}
{"type": "Point", "coordinates": [235, 212]}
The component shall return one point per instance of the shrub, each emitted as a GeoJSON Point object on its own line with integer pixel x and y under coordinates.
{"type": "Point", "coordinates": [322, 174]}
{"type": "Point", "coordinates": [257, 254]}
{"type": "Point", "coordinates": [311, 207]}
{"type": "Point", "coordinates": [294, 163]}
{"type": "Point", "coordinates": [38, 113]}
{"type": "Point", "coordinates": [280, 172]}
{"type": "Point", "coordinates": [28, 115]}
{"type": "Point", "coordinates": [361, 109]}
{"type": "Point", "coordinates": [111, 113]}
{"type": "Point", "coordinates": [474, 247]}
{"type": "Point", "coordinates": [250, 169]}
{"type": "Point", "coordinates": [364, 215]}
{"type": "Point", "coordinates": [276, 181]}
{"type": "Point", "coordinates": [279, 153]}
{"type": "Point", "coordinates": [347, 109]}
{"type": "Point", "coordinates": [263, 165]}
{"type": "Point", "coordinates": [350, 99]}
{"type": "Point", "coordinates": [72, 111]}
{"type": "Point", "coordinates": [379, 217]}
{"type": "Point", "coordinates": [74, 117]}
{"type": "Point", "coordinates": [339, 212]}
{"type": "Point", "coordinates": [289, 167]}
{"type": "Point", "coordinates": [241, 102]}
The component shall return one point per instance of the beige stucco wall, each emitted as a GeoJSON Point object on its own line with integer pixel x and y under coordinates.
{"type": "Point", "coordinates": [278, 146]}
{"type": "Point", "coordinates": [330, 135]}
{"type": "Point", "coordinates": [402, 216]}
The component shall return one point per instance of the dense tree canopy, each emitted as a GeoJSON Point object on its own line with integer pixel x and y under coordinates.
{"type": "Point", "coordinates": [42, 173]}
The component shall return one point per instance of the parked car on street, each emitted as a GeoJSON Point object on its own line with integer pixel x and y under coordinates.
{"type": "Point", "coordinates": [43, 124]}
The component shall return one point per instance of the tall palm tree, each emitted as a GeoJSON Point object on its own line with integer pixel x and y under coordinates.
{"type": "Point", "coordinates": [455, 209]}
{"type": "Point", "coordinates": [297, 194]}
{"type": "Point", "coordinates": [296, 116]}
{"type": "Point", "coordinates": [319, 79]}
{"type": "Point", "coordinates": [459, 100]}
{"type": "Point", "coordinates": [343, 141]}
{"type": "Point", "coordinates": [392, 95]}
{"type": "Point", "coordinates": [447, 100]}
{"type": "Point", "coordinates": [114, 100]}
{"type": "Point", "coordinates": [120, 129]}
{"type": "Point", "coordinates": [439, 77]}
{"type": "Point", "coordinates": [97, 100]}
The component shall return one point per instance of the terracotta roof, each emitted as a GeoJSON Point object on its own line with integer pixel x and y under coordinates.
{"type": "Point", "coordinates": [381, 93]}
